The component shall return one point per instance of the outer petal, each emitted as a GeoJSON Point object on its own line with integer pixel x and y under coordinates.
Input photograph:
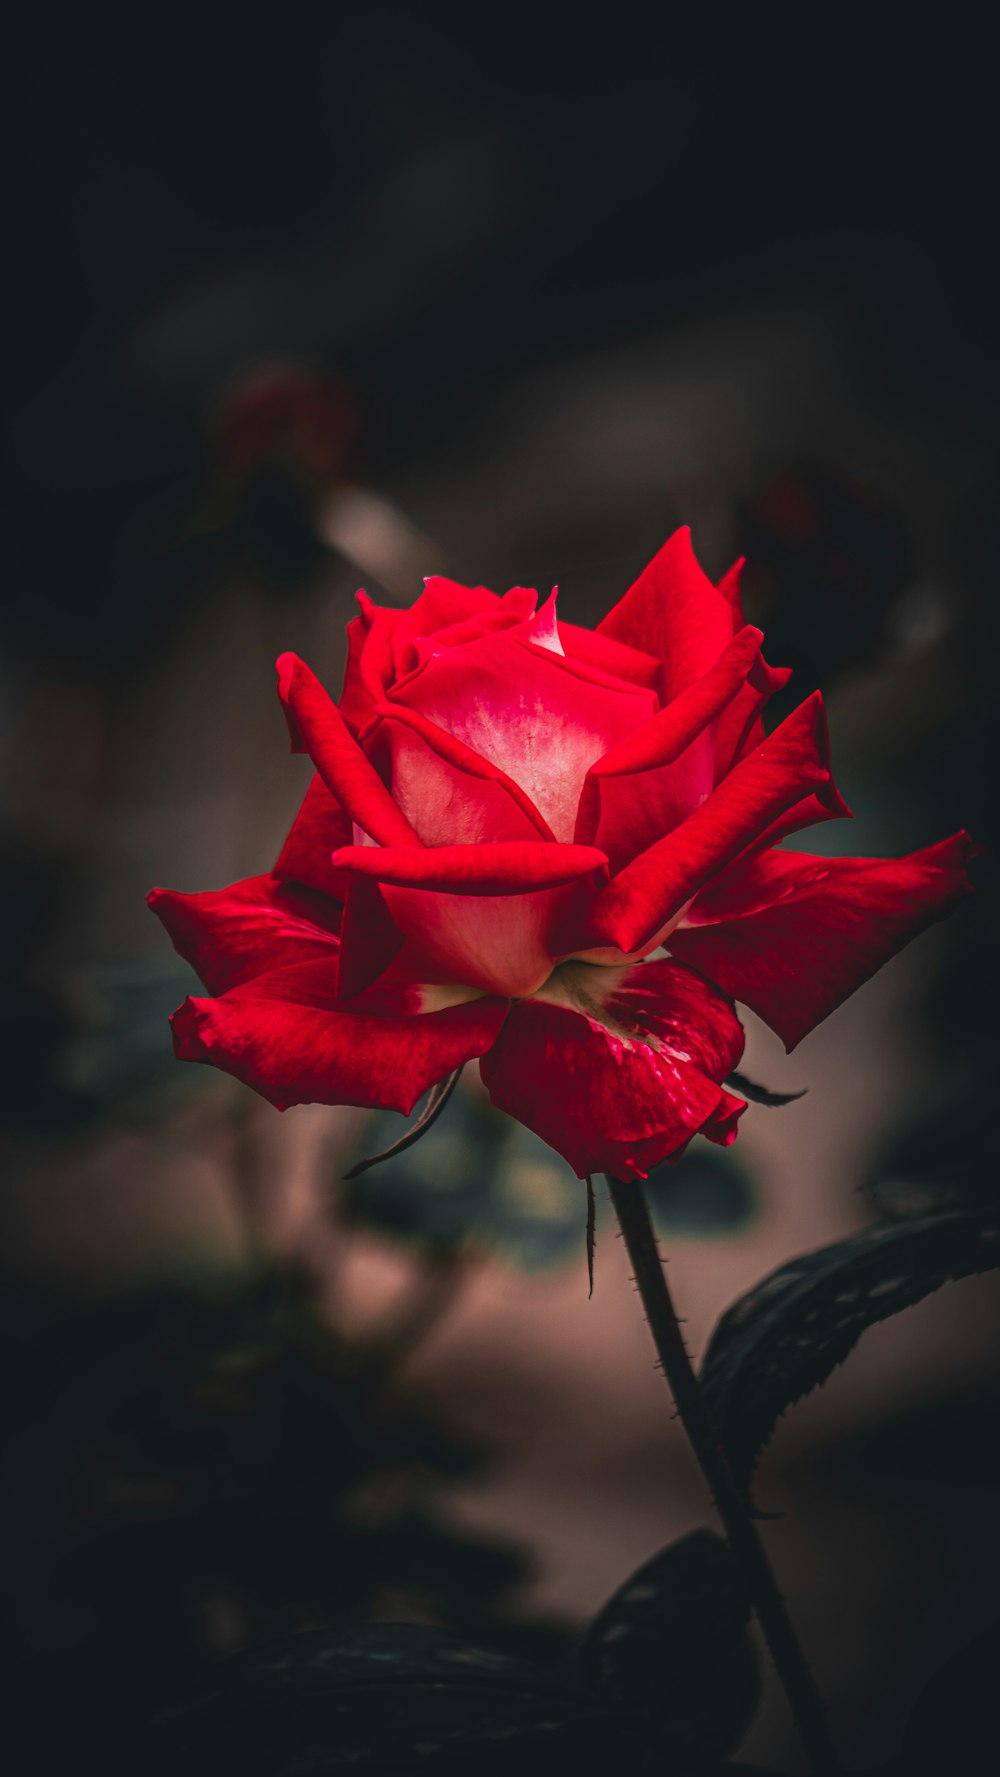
{"type": "Point", "coordinates": [317, 830]}
{"type": "Point", "coordinates": [618, 1068]}
{"type": "Point", "coordinates": [231, 935]}
{"type": "Point", "coordinates": [675, 613]}
{"type": "Point", "coordinates": [826, 804]}
{"type": "Point", "coordinates": [280, 1036]}
{"type": "Point", "coordinates": [449, 794]}
{"type": "Point", "coordinates": [729, 587]}
{"type": "Point", "coordinates": [539, 717]}
{"type": "Point", "coordinates": [317, 728]}
{"type": "Point", "coordinates": [636, 909]}
{"type": "Point", "coordinates": [742, 727]}
{"type": "Point", "coordinates": [374, 654]}
{"type": "Point", "coordinates": [355, 698]}
{"type": "Point", "coordinates": [792, 935]}
{"type": "Point", "coordinates": [661, 772]}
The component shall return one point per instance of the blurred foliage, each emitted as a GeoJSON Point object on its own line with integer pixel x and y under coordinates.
{"type": "Point", "coordinates": [827, 561]}
{"type": "Point", "coordinates": [119, 1057]}
{"type": "Point", "coordinates": [190, 1470]}
{"type": "Point", "coordinates": [665, 1678]}
{"type": "Point", "coordinates": [709, 1194]}
{"type": "Point", "coordinates": [277, 442]}
{"type": "Point", "coordinates": [97, 1049]}
{"type": "Point", "coordinates": [478, 1179]}
{"type": "Point", "coordinates": [394, 1697]}
{"type": "Point", "coordinates": [953, 1726]}
{"type": "Point", "coordinates": [942, 1156]}
{"type": "Point", "coordinates": [38, 1020]}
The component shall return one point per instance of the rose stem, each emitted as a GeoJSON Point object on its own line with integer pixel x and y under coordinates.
{"type": "Point", "coordinates": [650, 1278]}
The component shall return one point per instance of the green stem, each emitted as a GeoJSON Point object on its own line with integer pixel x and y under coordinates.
{"type": "Point", "coordinates": [803, 1698]}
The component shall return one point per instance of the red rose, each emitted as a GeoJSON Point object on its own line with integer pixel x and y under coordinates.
{"type": "Point", "coordinates": [509, 815]}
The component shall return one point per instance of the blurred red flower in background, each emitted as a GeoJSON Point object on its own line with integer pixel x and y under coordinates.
{"type": "Point", "coordinates": [558, 851]}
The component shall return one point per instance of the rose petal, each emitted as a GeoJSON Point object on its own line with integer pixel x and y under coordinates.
{"type": "Point", "coordinates": [514, 612]}
{"type": "Point", "coordinates": [792, 936]}
{"type": "Point", "coordinates": [542, 719]}
{"type": "Point", "coordinates": [675, 613]}
{"type": "Point", "coordinates": [740, 728]}
{"type": "Point", "coordinates": [618, 1068]}
{"type": "Point", "coordinates": [370, 939]}
{"type": "Point", "coordinates": [506, 944]}
{"type": "Point", "coordinates": [635, 910]}
{"type": "Point", "coordinates": [729, 587]}
{"type": "Point", "coordinates": [493, 869]}
{"type": "Point", "coordinates": [316, 727]}
{"type": "Point", "coordinates": [442, 604]}
{"type": "Point", "coordinates": [811, 811]}
{"type": "Point", "coordinates": [296, 1052]}
{"type": "Point", "coordinates": [449, 794]}
{"type": "Point", "coordinates": [543, 628]}
{"type": "Point", "coordinates": [376, 657]}
{"type": "Point", "coordinates": [621, 662]}
{"type": "Point", "coordinates": [493, 916]}
{"type": "Point", "coordinates": [356, 698]}
{"type": "Point", "coordinates": [661, 772]}
{"type": "Point", "coordinates": [721, 1126]}
{"type": "Point", "coordinates": [317, 830]}
{"type": "Point", "coordinates": [231, 935]}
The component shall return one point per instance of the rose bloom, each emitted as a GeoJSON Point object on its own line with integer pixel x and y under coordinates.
{"type": "Point", "coordinates": [557, 850]}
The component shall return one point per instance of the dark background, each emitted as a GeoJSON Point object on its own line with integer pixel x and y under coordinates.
{"type": "Point", "coordinates": [431, 208]}
{"type": "Point", "coordinates": [546, 290]}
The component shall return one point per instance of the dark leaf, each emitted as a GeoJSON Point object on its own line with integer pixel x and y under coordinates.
{"type": "Point", "coordinates": [760, 1094]}
{"type": "Point", "coordinates": [954, 1724]}
{"type": "Point", "coordinates": [190, 1471]}
{"type": "Point", "coordinates": [791, 1330]}
{"type": "Point", "coordinates": [388, 1697]}
{"type": "Point", "coordinates": [670, 1649]}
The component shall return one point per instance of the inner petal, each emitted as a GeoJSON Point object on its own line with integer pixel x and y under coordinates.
{"type": "Point", "coordinates": [542, 719]}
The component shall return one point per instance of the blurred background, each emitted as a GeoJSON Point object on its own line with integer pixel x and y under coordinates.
{"type": "Point", "coordinates": [343, 297]}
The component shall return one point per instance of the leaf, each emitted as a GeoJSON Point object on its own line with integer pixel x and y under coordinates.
{"type": "Point", "coordinates": [954, 1723]}
{"type": "Point", "coordinates": [389, 1697]}
{"type": "Point", "coordinates": [786, 1335]}
{"type": "Point", "coordinates": [761, 1094]}
{"type": "Point", "coordinates": [670, 1649]}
